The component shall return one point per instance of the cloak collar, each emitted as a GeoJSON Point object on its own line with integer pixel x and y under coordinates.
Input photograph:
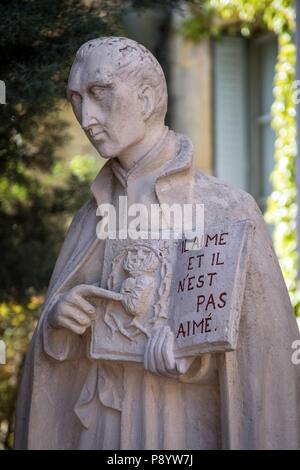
{"type": "Point", "coordinates": [152, 161]}
{"type": "Point", "coordinates": [174, 183]}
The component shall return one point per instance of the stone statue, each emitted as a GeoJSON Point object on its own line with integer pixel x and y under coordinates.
{"type": "Point", "coordinates": [78, 391]}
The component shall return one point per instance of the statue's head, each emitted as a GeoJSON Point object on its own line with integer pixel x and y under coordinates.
{"type": "Point", "coordinates": [140, 259]}
{"type": "Point", "coordinates": [118, 93]}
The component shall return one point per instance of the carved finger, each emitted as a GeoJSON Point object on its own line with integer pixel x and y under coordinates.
{"type": "Point", "coordinates": [159, 346]}
{"type": "Point", "coordinates": [152, 352]}
{"type": "Point", "coordinates": [84, 305]}
{"type": "Point", "coordinates": [76, 315]}
{"type": "Point", "coordinates": [90, 290]}
{"type": "Point", "coordinates": [71, 325]}
{"type": "Point", "coordinates": [85, 290]}
{"type": "Point", "coordinates": [147, 353]}
{"type": "Point", "coordinates": [168, 352]}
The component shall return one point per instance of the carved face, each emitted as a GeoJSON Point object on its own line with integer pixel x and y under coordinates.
{"type": "Point", "coordinates": [108, 109]}
{"type": "Point", "coordinates": [140, 260]}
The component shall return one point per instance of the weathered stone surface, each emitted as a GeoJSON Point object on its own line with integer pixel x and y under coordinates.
{"type": "Point", "coordinates": [141, 273]}
{"type": "Point", "coordinates": [208, 288]}
{"type": "Point", "coordinates": [246, 398]}
{"type": "Point", "coordinates": [196, 289]}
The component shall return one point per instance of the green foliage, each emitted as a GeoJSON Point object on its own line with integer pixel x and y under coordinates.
{"type": "Point", "coordinates": [38, 39]}
{"type": "Point", "coordinates": [210, 18]}
{"type": "Point", "coordinates": [282, 207]}
{"type": "Point", "coordinates": [17, 323]}
{"type": "Point", "coordinates": [39, 190]}
{"type": "Point", "coordinates": [84, 167]}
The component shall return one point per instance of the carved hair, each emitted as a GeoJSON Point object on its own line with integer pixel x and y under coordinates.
{"type": "Point", "coordinates": [135, 263]}
{"type": "Point", "coordinates": [134, 62]}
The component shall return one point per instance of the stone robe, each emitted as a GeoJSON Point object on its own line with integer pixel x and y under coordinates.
{"type": "Point", "coordinates": [244, 399]}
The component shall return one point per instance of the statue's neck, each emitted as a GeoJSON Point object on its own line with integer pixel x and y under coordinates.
{"type": "Point", "coordinates": [134, 156]}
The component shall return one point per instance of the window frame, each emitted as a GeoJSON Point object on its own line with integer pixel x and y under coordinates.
{"type": "Point", "coordinates": [256, 119]}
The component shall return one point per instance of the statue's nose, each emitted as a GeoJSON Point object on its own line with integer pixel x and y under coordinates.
{"type": "Point", "coordinates": [87, 117]}
{"type": "Point", "coordinates": [87, 122]}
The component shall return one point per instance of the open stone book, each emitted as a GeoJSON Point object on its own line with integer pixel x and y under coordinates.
{"type": "Point", "coordinates": [196, 287]}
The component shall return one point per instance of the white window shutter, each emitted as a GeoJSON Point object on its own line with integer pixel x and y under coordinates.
{"type": "Point", "coordinates": [230, 111]}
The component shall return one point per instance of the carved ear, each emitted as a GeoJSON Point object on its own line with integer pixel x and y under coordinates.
{"type": "Point", "coordinates": [147, 100]}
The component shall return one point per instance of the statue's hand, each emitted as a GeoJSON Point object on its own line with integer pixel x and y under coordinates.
{"type": "Point", "coordinates": [159, 357]}
{"type": "Point", "coordinates": [73, 311]}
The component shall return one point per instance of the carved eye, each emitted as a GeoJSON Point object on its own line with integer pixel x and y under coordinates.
{"type": "Point", "coordinates": [97, 92]}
